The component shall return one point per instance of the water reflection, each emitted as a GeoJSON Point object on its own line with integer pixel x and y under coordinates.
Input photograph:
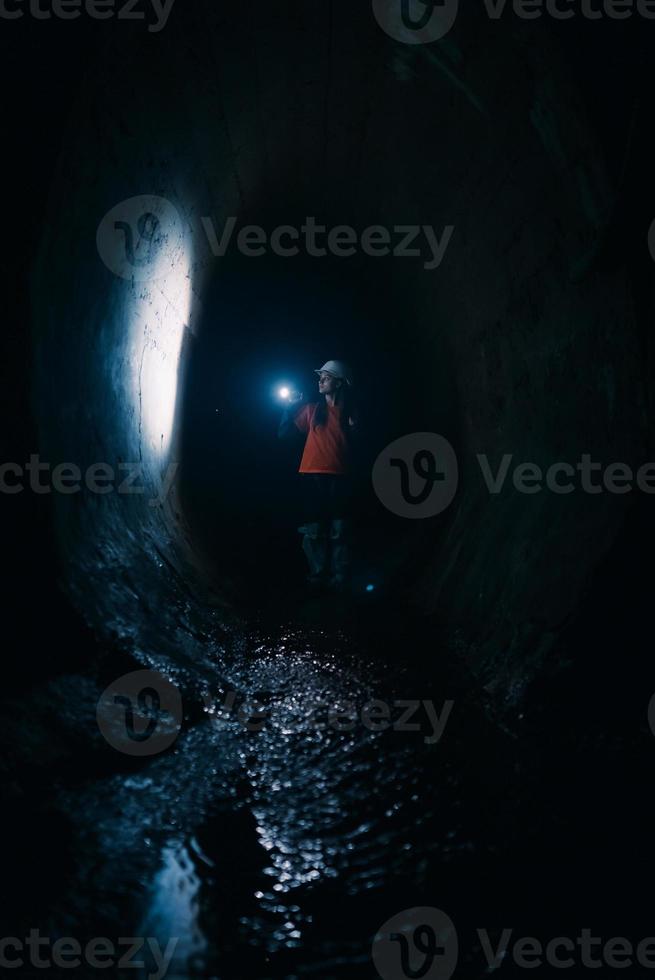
{"type": "Point", "coordinates": [173, 912]}
{"type": "Point", "coordinates": [268, 817]}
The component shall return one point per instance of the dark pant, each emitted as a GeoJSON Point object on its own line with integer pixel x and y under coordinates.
{"type": "Point", "coordinates": [326, 506]}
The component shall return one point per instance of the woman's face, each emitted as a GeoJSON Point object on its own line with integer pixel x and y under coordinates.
{"type": "Point", "coordinates": [327, 384]}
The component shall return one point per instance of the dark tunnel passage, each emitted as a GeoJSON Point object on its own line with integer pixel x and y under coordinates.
{"type": "Point", "coordinates": [479, 345]}
{"type": "Point", "coordinates": [259, 327]}
{"type": "Point", "coordinates": [284, 851]}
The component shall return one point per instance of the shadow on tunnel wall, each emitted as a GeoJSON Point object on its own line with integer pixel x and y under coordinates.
{"type": "Point", "coordinates": [519, 342]}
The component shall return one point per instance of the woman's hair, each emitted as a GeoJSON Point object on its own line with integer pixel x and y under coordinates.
{"type": "Point", "coordinates": [344, 398]}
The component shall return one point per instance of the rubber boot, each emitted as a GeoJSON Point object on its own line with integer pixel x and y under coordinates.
{"type": "Point", "coordinates": [315, 547]}
{"type": "Point", "coordinates": [339, 554]}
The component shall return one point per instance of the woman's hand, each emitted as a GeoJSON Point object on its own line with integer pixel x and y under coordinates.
{"type": "Point", "coordinates": [289, 414]}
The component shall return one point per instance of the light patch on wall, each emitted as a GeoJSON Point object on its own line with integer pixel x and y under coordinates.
{"type": "Point", "coordinates": [161, 340]}
{"type": "Point", "coordinates": [145, 240]}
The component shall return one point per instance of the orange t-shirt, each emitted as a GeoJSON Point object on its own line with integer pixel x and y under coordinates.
{"type": "Point", "coordinates": [326, 448]}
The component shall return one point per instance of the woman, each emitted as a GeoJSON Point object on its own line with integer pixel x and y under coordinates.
{"type": "Point", "coordinates": [325, 467]}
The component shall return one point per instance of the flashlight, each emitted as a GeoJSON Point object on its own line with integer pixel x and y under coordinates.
{"type": "Point", "coordinates": [287, 394]}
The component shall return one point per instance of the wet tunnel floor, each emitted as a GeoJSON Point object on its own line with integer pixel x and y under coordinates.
{"type": "Point", "coordinates": [279, 851]}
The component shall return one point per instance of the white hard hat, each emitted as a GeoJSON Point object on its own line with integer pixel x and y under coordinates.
{"type": "Point", "coordinates": [338, 369]}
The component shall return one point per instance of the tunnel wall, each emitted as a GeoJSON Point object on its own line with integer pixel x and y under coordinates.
{"type": "Point", "coordinates": [110, 359]}
{"type": "Point", "coordinates": [546, 360]}
{"type": "Point", "coordinates": [482, 131]}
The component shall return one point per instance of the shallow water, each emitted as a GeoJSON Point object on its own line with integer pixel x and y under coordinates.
{"type": "Point", "coordinates": [287, 798]}
{"type": "Point", "coordinates": [280, 830]}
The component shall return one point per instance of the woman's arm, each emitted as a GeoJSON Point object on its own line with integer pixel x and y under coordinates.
{"type": "Point", "coordinates": [286, 423]}
{"type": "Point", "coordinates": [291, 419]}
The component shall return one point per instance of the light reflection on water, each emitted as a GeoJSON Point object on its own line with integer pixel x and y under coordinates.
{"type": "Point", "coordinates": [234, 833]}
{"type": "Point", "coordinates": [173, 911]}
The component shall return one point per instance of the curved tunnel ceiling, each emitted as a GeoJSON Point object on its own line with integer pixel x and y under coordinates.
{"type": "Point", "coordinates": [245, 117]}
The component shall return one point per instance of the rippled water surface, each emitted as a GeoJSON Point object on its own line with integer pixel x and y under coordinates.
{"type": "Point", "coordinates": [291, 796]}
{"type": "Point", "coordinates": [286, 824]}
